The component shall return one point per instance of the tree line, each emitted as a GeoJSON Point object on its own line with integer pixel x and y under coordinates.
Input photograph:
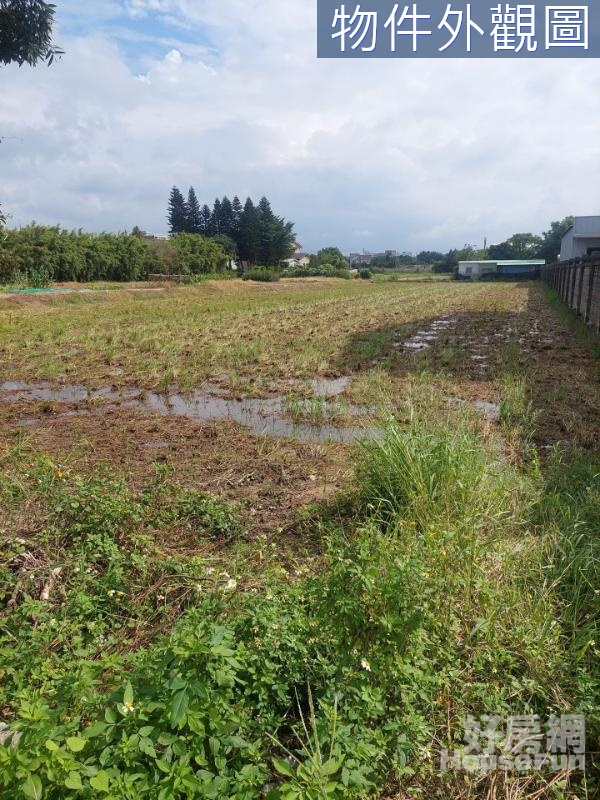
{"type": "Point", "coordinates": [61, 255]}
{"type": "Point", "coordinates": [517, 246]}
{"type": "Point", "coordinates": [252, 233]}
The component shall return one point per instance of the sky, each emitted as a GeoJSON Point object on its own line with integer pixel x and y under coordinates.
{"type": "Point", "coordinates": [228, 96]}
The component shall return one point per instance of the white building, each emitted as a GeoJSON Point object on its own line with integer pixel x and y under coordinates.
{"type": "Point", "coordinates": [509, 268]}
{"type": "Point", "coordinates": [475, 269]}
{"type": "Point", "coordinates": [297, 260]}
{"type": "Point", "coordinates": [581, 239]}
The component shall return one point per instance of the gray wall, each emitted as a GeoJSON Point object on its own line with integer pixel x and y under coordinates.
{"type": "Point", "coordinates": [575, 248]}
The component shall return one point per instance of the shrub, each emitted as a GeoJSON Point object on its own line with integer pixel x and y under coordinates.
{"type": "Point", "coordinates": [365, 274]}
{"type": "Point", "coordinates": [261, 274]}
{"type": "Point", "coordinates": [325, 270]}
{"type": "Point", "coordinates": [55, 254]}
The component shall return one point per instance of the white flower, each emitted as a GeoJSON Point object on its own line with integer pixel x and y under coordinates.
{"type": "Point", "coordinates": [230, 585]}
{"type": "Point", "coordinates": [112, 592]}
{"type": "Point", "coordinates": [210, 571]}
{"type": "Point", "coordinates": [127, 708]}
{"type": "Point", "coordinates": [365, 665]}
{"type": "Point", "coordinates": [198, 587]}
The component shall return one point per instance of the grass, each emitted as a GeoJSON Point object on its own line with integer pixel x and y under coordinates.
{"type": "Point", "coordinates": [160, 641]}
{"type": "Point", "coordinates": [257, 334]}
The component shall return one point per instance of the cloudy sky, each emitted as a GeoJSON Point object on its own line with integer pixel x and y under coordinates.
{"type": "Point", "coordinates": [229, 96]}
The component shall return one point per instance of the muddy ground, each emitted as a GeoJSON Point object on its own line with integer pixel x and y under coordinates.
{"type": "Point", "coordinates": [469, 356]}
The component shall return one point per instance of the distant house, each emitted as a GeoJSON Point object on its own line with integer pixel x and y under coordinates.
{"type": "Point", "coordinates": [362, 259]}
{"type": "Point", "coordinates": [155, 237]}
{"type": "Point", "coordinates": [299, 259]}
{"type": "Point", "coordinates": [514, 268]}
{"type": "Point", "coordinates": [582, 239]}
{"type": "Point", "coordinates": [475, 269]}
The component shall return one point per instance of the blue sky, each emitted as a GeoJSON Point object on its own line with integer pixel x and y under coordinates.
{"type": "Point", "coordinates": [229, 97]}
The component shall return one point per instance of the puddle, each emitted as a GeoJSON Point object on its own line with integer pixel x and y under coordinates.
{"type": "Point", "coordinates": [329, 387]}
{"type": "Point", "coordinates": [424, 338]}
{"type": "Point", "coordinates": [261, 416]}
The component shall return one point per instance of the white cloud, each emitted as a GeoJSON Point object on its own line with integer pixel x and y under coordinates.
{"type": "Point", "coordinates": [403, 154]}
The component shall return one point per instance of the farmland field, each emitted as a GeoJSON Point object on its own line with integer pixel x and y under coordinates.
{"type": "Point", "coordinates": [281, 539]}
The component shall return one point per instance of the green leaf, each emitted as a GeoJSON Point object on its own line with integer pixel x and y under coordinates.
{"type": "Point", "coordinates": [283, 768]}
{"type": "Point", "coordinates": [179, 707]}
{"type": "Point", "coordinates": [96, 729]}
{"type": "Point", "coordinates": [128, 694]}
{"type": "Point", "coordinates": [52, 746]}
{"type": "Point", "coordinates": [100, 781]}
{"type": "Point", "coordinates": [76, 743]}
{"type": "Point", "coordinates": [332, 766]}
{"type": "Point", "coordinates": [33, 787]}
{"type": "Point", "coordinates": [74, 781]}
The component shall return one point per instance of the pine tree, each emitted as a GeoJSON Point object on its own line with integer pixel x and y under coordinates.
{"type": "Point", "coordinates": [226, 225]}
{"type": "Point", "coordinates": [177, 212]}
{"type": "Point", "coordinates": [216, 218]}
{"type": "Point", "coordinates": [237, 209]}
{"type": "Point", "coordinates": [266, 249]}
{"type": "Point", "coordinates": [205, 221]}
{"type": "Point", "coordinates": [249, 235]}
{"type": "Point", "coordinates": [194, 220]}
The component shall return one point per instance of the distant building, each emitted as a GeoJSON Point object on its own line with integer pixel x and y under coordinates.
{"type": "Point", "coordinates": [516, 268]}
{"type": "Point", "coordinates": [582, 238]}
{"type": "Point", "coordinates": [155, 237]}
{"type": "Point", "coordinates": [299, 259]}
{"type": "Point", "coordinates": [364, 259]}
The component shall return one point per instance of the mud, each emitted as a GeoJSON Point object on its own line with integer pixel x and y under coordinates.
{"type": "Point", "coordinates": [260, 416]}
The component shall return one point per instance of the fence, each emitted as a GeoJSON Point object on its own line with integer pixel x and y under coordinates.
{"type": "Point", "coordinates": [578, 284]}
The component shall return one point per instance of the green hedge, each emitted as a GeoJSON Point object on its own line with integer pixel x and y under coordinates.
{"type": "Point", "coordinates": [64, 255]}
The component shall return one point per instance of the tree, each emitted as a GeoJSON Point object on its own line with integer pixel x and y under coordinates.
{"type": "Point", "coordinates": [266, 225]}
{"type": "Point", "coordinates": [237, 209]}
{"type": "Point", "coordinates": [551, 240]}
{"type": "Point", "coordinates": [177, 213]}
{"type": "Point", "coordinates": [205, 221]}
{"type": "Point", "coordinates": [518, 246]}
{"type": "Point", "coordinates": [194, 218]}
{"type": "Point", "coordinates": [226, 225]}
{"type": "Point", "coordinates": [26, 36]}
{"type": "Point", "coordinates": [429, 257]}
{"type": "Point", "coordinates": [215, 219]}
{"type": "Point", "coordinates": [227, 244]}
{"type": "Point", "coordinates": [249, 235]}
{"type": "Point", "coordinates": [333, 256]}
{"type": "Point", "coordinates": [26, 32]}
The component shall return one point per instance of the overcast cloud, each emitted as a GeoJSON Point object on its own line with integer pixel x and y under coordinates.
{"type": "Point", "coordinates": [228, 96]}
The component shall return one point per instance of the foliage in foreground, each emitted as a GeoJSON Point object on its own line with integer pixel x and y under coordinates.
{"type": "Point", "coordinates": [456, 583]}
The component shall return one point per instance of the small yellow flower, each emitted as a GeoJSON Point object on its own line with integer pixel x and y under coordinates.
{"type": "Point", "coordinates": [58, 473]}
